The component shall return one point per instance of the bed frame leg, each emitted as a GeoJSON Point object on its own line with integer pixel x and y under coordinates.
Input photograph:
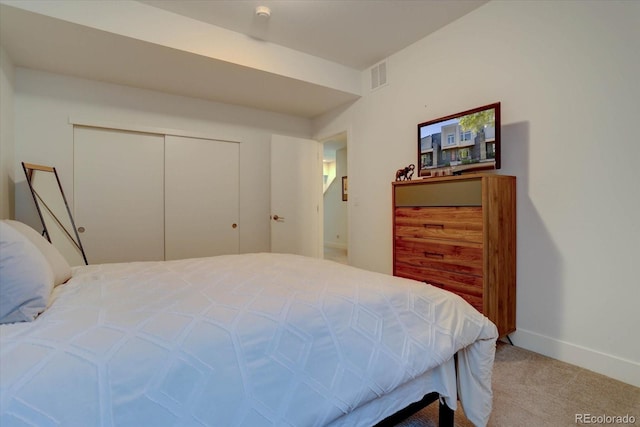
{"type": "Point", "coordinates": [445, 415]}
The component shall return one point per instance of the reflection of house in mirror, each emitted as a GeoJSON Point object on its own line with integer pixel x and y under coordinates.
{"type": "Point", "coordinates": [455, 146]}
{"type": "Point", "coordinates": [429, 150]}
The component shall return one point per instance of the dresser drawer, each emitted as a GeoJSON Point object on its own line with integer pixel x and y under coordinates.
{"type": "Point", "coordinates": [467, 287]}
{"type": "Point", "coordinates": [449, 223]}
{"type": "Point", "coordinates": [456, 192]}
{"type": "Point", "coordinates": [465, 259]}
{"type": "Point", "coordinates": [455, 282]}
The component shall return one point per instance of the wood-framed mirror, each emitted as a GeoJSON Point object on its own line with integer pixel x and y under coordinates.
{"type": "Point", "coordinates": [467, 141]}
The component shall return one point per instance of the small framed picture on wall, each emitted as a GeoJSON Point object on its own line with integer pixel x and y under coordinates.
{"type": "Point", "coordinates": [345, 193]}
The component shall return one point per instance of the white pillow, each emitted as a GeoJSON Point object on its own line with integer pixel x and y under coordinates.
{"type": "Point", "coordinates": [26, 278]}
{"type": "Point", "coordinates": [59, 265]}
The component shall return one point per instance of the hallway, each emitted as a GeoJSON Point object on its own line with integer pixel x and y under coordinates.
{"type": "Point", "coordinates": [335, 254]}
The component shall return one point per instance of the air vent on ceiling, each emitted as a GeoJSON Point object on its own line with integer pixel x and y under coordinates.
{"type": "Point", "coordinates": [378, 75]}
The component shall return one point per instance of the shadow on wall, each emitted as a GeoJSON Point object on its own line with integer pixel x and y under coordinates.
{"type": "Point", "coordinates": [539, 291]}
{"type": "Point", "coordinates": [9, 211]}
{"type": "Point", "coordinates": [25, 208]}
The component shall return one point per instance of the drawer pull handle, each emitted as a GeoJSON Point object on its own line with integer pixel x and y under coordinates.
{"type": "Point", "coordinates": [433, 255]}
{"type": "Point", "coordinates": [438, 226]}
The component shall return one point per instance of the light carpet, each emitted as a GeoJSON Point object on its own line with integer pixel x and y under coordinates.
{"type": "Point", "coordinates": [533, 390]}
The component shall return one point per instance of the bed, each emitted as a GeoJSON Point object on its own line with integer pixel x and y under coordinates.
{"type": "Point", "coordinates": [238, 340]}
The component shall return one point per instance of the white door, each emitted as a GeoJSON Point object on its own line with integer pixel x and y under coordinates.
{"type": "Point", "coordinates": [296, 202]}
{"type": "Point", "coordinates": [201, 197]}
{"type": "Point", "coordinates": [119, 194]}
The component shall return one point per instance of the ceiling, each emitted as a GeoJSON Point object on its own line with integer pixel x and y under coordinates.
{"type": "Point", "coordinates": [349, 36]}
{"type": "Point", "coordinates": [355, 33]}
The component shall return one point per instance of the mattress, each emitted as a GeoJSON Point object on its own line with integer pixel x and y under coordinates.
{"type": "Point", "coordinates": [241, 340]}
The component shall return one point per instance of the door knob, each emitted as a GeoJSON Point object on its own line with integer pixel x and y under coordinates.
{"type": "Point", "coordinates": [80, 229]}
{"type": "Point", "coordinates": [278, 218]}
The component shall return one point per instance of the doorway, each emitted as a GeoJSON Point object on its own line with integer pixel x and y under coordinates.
{"type": "Point", "coordinates": [335, 198]}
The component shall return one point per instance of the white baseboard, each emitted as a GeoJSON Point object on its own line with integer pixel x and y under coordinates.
{"type": "Point", "coordinates": [335, 245]}
{"type": "Point", "coordinates": [614, 367]}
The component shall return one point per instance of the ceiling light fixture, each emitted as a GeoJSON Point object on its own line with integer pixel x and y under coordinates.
{"type": "Point", "coordinates": [263, 11]}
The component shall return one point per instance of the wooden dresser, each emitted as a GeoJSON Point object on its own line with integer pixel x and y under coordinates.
{"type": "Point", "coordinates": [459, 233]}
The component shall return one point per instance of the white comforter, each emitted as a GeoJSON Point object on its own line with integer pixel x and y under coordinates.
{"type": "Point", "coordinates": [239, 340]}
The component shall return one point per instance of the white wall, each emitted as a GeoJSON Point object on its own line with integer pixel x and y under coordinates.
{"type": "Point", "coordinates": [566, 74]}
{"type": "Point", "coordinates": [44, 102]}
{"type": "Point", "coordinates": [6, 136]}
{"type": "Point", "coordinates": [335, 209]}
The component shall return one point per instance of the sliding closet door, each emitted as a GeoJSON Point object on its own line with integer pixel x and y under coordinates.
{"type": "Point", "coordinates": [119, 194]}
{"type": "Point", "coordinates": [201, 197]}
